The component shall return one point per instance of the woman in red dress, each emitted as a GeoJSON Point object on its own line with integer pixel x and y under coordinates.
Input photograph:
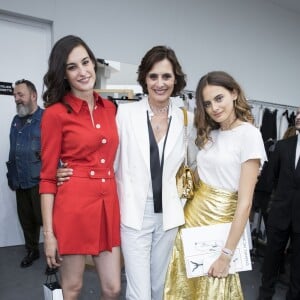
{"type": "Point", "coordinates": [80, 217]}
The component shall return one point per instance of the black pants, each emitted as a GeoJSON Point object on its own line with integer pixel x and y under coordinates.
{"type": "Point", "coordinates": [276, 243]}
{"type": "Point", "coordinates": [30, 217]}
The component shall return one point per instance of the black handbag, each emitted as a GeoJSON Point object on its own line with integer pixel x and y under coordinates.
{"type": "Point", "coordinates": [52, 288]}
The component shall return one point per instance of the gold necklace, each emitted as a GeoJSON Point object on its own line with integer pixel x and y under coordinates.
{"type": "Point", "coordinates": [229, 126]}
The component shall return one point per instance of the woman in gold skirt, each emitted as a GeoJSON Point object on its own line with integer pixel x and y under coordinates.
{"type": "Point", "coordinates": [228, 163]}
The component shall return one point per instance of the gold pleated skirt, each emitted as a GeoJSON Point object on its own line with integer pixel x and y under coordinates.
{"type": "Point", "coordinates": [209, 206]}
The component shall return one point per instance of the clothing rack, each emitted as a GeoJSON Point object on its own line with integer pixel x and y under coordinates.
{"type": "Point", "coordinates": [123, 99]}
{"type": "Point", "coordinates": [271, 104]}
{"type": "Point", "coordinates": [186, 94]}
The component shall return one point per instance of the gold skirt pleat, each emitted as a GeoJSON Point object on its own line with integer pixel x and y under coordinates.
{"type": "Point", "coordinates": [209, 206]}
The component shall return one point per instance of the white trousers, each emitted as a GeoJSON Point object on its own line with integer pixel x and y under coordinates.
{"type": "Point", "coordinates": [146, 256]}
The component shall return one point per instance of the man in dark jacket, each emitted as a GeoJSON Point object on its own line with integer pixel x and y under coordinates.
{"type": "Point", "coordinates": [24, 165]}
{"type": "Point", "coordinates": [284, 216]}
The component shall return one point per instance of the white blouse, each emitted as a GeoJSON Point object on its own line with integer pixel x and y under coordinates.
{"type": "Point", "coordinates": [219, 163]}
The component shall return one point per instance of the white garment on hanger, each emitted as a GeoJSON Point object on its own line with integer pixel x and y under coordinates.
{"type": "Point", "coordinates": [278, 121]}
{"type": "Point", "coordinates": [177, 101]}
{"type": "Point", "coordinates": [261, 114]}
{"type": "Point", "coordinates": [256, 114]}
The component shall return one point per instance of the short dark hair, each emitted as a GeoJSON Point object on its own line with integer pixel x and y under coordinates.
{"type": "Point", "coordinates": [54, 79]}
{"type": "Point", "coordinates": [28, 83]}
{"type": "Point", "coordinates": [157, 54]}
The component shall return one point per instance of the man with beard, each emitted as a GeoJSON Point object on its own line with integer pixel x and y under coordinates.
{"type": "Point", "coordinates": [284, 216]}
{"type": "Point", "coordinates": [24, 165]}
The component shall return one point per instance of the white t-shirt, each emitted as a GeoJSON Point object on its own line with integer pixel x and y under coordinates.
{"type": "Point", "coordinates": [219, 163]}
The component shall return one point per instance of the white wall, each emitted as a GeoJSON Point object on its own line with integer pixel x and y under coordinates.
{"type": "Point", "coordinates": [24, 51]}
{"type": "Point", "coordinates": [258, 42]}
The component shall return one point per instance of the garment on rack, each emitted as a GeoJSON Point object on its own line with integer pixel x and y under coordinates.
{"type": "Point", "coordinates": [291, 119]}
{"type": "Point", "coordinates": [178, 101]}
{"type": "Point", "coordinates": [188, 100]}
{"type": "Point", "coordinates": [263, 188]}
{"type": "Point", "coordinates": [268, 127]}
{"type": "Point", "coordinates": [284, 124]}
{"type": "Point", "coordinates": [285, 115]}
{"type": "Point", "coordinates": [262, 184]}
{"type": "Point", "coordinates": [256, 112]}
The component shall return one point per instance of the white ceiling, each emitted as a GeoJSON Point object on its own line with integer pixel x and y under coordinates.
{"type": "Point", "coordinates": [293, 5]}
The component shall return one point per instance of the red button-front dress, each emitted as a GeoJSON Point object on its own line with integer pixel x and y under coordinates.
{"type": "Point", "coordinates": [86, 215]}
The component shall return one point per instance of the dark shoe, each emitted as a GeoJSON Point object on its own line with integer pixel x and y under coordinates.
{"type": "Point", "coordinates": [29, 258]}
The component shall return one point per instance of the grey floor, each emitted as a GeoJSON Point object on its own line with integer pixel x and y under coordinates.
{"type": "Point", "coordinates": [26, 284]}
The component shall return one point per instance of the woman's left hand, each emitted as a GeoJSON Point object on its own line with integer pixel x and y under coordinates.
{"type": "Point", "coordinates": [63, 174]}
{"type": "Point", "coordinates": [220, 267]}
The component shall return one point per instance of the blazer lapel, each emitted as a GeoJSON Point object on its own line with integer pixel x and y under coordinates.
{"type": "Point", "coordinates": [298, 167]}
{"type": "Point", "coordinates": [291, 152]}
{"type": "Point", "coordinates": [140, 130]}
{"type": "Point", "coordinates": [175, 131]}
{"type": "Point", "coordinates": [292, 148]}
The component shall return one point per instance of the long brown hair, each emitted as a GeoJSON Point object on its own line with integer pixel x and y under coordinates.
{"type": "Point", "coordinates": [54, 80]}
{"type": "Point", "coordinates": [203, 123]}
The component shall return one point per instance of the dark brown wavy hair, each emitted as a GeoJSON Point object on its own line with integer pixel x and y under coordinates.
{"type": "Point", "coordinates": [157, 54]}
{"type": "Point", "coordinates": [203, 123]}
{"type": "Point", "coordinates": [54, 80]}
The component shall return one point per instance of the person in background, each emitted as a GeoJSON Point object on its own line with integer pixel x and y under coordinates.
{"type": "Point", "coordinates": [82, 216]}
{"type": "Point", "coordinates": [228, 164]}
{"type": "Point", "coordinates": [283, 221]}
{"type": "Point", "coordinates": [24, 164]}
{"type": "Point", "coordinates": [263, 190]}
{"type": "Point", "coordinates": [291, 131]}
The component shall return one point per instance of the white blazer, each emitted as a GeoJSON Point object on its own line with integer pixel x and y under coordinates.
{"type": "Point", "coordinates": [133, 164]}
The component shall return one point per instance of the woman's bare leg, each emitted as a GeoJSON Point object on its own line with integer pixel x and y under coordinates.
{"type": "Point", "coordinates": [71, 272]}
{"type": "Point", "coordinates": [108, 266]}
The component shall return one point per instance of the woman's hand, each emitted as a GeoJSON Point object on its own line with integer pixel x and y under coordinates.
{"type": "Point", "coordinates": [220, 267]}
{"type": "Point", "coordinates": [50, 248]}
{"type": "Point", "coordinates": [63, 174]}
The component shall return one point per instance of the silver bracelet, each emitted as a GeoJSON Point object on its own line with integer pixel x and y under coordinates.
{"type": "Point", "coordinates": [227, 252]}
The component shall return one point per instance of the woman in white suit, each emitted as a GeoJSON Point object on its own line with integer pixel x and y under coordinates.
{"type": "Point", "coordinates": [150, 207]}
